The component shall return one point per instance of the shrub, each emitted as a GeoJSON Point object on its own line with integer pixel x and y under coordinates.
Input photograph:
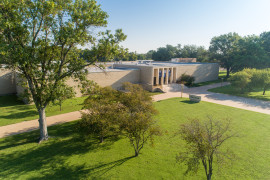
{"type": "Point", "coordinates": [241, 80]}
{"type": "Point", "coordinates": [102, 114]}
{"type": "Point", "coordinates": [187, 80]}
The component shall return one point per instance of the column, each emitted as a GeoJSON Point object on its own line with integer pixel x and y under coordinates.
{"type": "Point", "coordinates": [155, 76]}
{"type": "Point", "coordinates": [167, 75]}
{"type": "Point", "coordinates": [162, 76]}
{"type": "Point", "coordinates": [171, 77]}
{"type": "Point", "coordinates": [174, 75]}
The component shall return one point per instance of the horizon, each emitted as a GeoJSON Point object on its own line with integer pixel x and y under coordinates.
{"type": "Point", "coordinates": [153, 24]}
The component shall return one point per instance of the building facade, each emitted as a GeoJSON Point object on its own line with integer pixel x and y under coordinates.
{"type": "Point", "coordinates": [150, 74]}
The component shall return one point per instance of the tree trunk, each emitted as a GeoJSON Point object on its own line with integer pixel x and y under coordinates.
{"type": "Point", "coordinates": [42, 125]}
{"type": "Point", "coordinates": [209, 176]}
{"type": "Point", "coordinates": [228, 72]}
{"type": "Point", "coordinates": [264, 91]}
{"type": "Point", "coordinates": [136, 153]}
{"type": "Point", "coordinates": [101, 139]}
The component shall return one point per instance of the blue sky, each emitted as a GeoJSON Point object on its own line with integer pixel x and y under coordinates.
{"type": "Point", "coordinates": [150, 24]}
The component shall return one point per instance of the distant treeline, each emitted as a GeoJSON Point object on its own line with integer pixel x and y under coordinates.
{"type": "Point", "coordinates": [231, 50]}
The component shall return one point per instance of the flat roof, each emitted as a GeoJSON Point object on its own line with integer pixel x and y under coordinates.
{"type": "Point", "coordinates": [162, 63]}
{"type": "Point", "coordinates": [109, 69]}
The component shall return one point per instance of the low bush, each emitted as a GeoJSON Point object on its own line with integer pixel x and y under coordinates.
{"type": "Point", "coordinates": [187, 80]}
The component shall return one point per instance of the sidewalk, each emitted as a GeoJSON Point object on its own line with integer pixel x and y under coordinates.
{"type": "Point", "coordinates": [223, 99]}
{"type": "Point", "coordinates": [26, 126]}
{"type": "Point", "coordinates": [228, 100]}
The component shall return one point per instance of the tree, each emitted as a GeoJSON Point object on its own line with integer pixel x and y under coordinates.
{"type": "Point", "coordinates": [249, 53]}
{"type": "Point", "coordinates": [203, 144]}
{"type": "Point", "coordinates": [265, 78]}
{"type": "Point", "coordinates": [260, 78]}
{"type": "Point", "coordinates": [222, 48]}
{"type": "Point", "coordinates": [39, 40]}
{"type": "Point", "coordinates": [149, 54]}
{"type": "Point", "coordinates": [164, 53]}
{"type": "Point", "coordinates": [138, 125]}
{"type": "Point", "coordinates": [63, 92]}
{"type": "Point", "coordinates": [241, 79]}
{"type": "Point", "coordinates": [265, 43]}
{"type": "Point", "coordinates": [102, 114]}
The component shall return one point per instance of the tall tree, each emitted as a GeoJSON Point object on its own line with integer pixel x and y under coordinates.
{"type": "Point", "coordinates": [39, 39]}
{"type": "Point", "coordinates": [265, 42]}
{"type": "Point", "coordinates": [222, 48]}
{"type": "Point", "coordinates": [149, 54]}
{"type": "Point", "coordinates": [249, 53]}
{"type": "Point", "coordinates": [164, 53]}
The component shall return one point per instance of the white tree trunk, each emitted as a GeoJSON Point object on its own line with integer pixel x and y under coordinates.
{"type": "Point", "coordinates": [42, 125]}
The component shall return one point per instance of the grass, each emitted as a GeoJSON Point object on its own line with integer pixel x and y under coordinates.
{"type": "Point", "coordinates": [256, 94]}
{"type": "Point", "coordinates": [13, 111]}
{"type": "Point", "coordinates": [221, 78]}
{"type": "Point", "coordinates": [154, 93]}
{"type": "Point", "coordinates": [66, 156]}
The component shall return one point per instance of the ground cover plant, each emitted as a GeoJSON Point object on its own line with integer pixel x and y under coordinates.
{"type": "Point", "coordinates": [66, 156]}
{"type": "Point", "coordinates": [14, 111]}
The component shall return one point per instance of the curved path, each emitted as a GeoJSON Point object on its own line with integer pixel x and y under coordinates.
{"type": "Point", "coordinates": [228, 100]}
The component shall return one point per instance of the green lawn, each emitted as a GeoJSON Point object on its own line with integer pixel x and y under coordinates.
{"type": "Point", "coordinates": [221, 78]}
{"type": "Point", "coordinates": [154, 93]}
{"type": "Point", "coordinates": [13, 111]}
{"type": "Point", "coordinates": [256, 94]}
{"type": "Point", "coordinates": [66, 156]}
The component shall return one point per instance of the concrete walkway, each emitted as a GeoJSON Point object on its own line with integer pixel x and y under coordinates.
{"type": "Point", "coordinates": [26, 126]}
{"type": "Point", "coordinates": [228, 100]}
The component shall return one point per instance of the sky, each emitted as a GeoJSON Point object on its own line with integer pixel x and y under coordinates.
{"type": "Point", "coordinates": [150, 24]}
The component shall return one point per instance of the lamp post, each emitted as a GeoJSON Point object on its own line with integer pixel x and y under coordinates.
{"type": "Point", "coordinates": [182, 89]}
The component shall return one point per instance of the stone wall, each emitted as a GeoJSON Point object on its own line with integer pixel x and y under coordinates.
{"type": "Point", "coordinates": [201, 72]}
{"type": "Point", "coordinates": [111, 78]}
{"type": "Point", "coordinates": [7, 82]}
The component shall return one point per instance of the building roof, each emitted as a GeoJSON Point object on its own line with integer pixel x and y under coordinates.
{"type": "Point", "coordinates": [109, 69]}
{"type": "Point", "coordinates": [162, 63]}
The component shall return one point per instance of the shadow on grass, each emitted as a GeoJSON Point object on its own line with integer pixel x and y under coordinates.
{"type": "Point", "coordinates": [20, 115]}
{"type": "Point", "coordinates": [9, 100]}
{"type": "Point", "coordinates": [101, 169]}
{"type": "Point", "coordinates": [49, 158]}
{"type": "Point", "coordinates": [188, 102]}
{"type": "Point", "coordinates": [66, 171]}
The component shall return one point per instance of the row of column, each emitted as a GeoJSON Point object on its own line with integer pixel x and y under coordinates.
{"type": "Point", "coordinates": [169, 77]}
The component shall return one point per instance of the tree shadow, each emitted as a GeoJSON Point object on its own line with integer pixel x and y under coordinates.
{"type": "Point", "coordinates": [20, 115]}
{"type": "Point", "coordinates": [101, 169]}
{"type": "Point", "coordinates": [9, 100]}
{"type": "Point", "coordinates": [188, 102]}
{"type": "Point", "coordinates": [66, 171]}
{"type": "Point", "coordinates": [52, 154]}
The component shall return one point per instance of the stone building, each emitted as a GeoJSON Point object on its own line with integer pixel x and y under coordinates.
{"type": "Point", "coordinates": [150, 74]}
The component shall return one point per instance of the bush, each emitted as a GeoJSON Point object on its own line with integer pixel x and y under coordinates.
{"type": "Point", "coordinates": [187, 80]}
{"type": "Point", "coordinates": [241, 80]}
{"type": "Point", "coordinates": [102, 114]}
{"type": "Point", "coordinates": [248, 79]}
